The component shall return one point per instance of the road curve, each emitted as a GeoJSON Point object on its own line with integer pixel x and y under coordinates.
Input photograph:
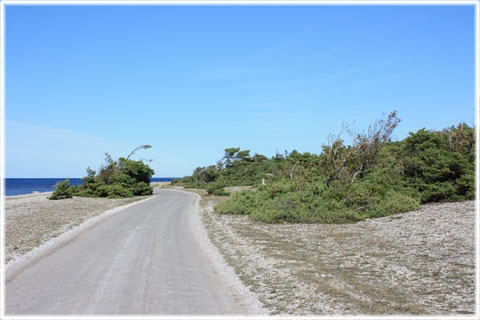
{"type": "Point", "coordinates": [145, 259]}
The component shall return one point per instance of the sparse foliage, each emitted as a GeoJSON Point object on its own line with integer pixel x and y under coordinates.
{"type": "Point", "coordinates": [346, 163]}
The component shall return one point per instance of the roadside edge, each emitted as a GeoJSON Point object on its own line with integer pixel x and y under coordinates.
{"type": "Point", "coordinates": [220, 264]}
{"type": "Point", "coordinates": [17, 265]}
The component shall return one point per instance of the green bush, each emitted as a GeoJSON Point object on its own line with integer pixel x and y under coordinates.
{"type": "Point", "coordinates": [374, 177]}
{"type": "Point", "coordinates": [114, 191]}
{"type": "Point", "coordinates": [122, 179]}
{"type": "Point", "coordinates": [242, 202]}
{"type": "Point", "coordinates": [216, 189]}
{"type": "Point", "coordinates": [315, 203]}
{"type": "Point", "coordinates": [393, 202]}
{"type": "Point", "coordinates": [62, 191]}
{"type": "Point", "coordinates": [142, 189]}
{"type": "Point", "coordinates": [87, 193]}
{"type": "Point", "coordinates": [419, 169]}
{"type": "Point", "coordinates": [117, 179]}
{"type": "Point", "coordinates": [137, 170]}
{"type": "Point", "coordinates": [440, 164]}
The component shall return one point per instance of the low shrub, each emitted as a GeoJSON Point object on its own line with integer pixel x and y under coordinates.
{"type": "Point", "coordinates": [317, 203]}
{"type": "Point", "coordinates": [116, 179]}
{"type": "Point", "coordinates": [216, 189]}
{"type": "Point", "coordinates": [242, 202]}
{"type": "Point", "coordinates": [142, 189]}
{"type": "Point", "coordinates": [393, 202]}
{"type": "Point", "coordinates": [87, 193]}
{"type": "Point", "coordinates": [114, 191]}
{"type": "Point", "coordinates": [62, 191]}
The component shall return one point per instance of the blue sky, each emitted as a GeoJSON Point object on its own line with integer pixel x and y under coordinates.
{"type": "Point", "coordinates": [193, 80]}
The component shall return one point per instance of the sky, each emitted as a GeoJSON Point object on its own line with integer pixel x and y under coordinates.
{"type": "Point", "coordinates": [194, 80]}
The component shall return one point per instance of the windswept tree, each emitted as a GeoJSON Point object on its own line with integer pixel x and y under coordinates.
{"type": "Point", "coordinates": [346, 163]}
{"type": "Point", "coordinates": [116, 179]}
{"type": "Point", "coordinates": [143, 146]}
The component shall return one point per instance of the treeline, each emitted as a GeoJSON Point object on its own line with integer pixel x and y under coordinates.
{"type": "Point", "coordinates": [371, 177]}
{"type": "Point", "coordinates": [123, 178]}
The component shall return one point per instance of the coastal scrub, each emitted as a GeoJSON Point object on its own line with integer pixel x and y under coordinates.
{"type": "Point", "coordinates": [369, 178]}
{"type": "Point", "coordinates": [123, 178]}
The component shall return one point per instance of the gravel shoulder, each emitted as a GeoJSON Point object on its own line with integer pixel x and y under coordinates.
{"type": "Point", "coordinates": [415, 263]}
{"type": "Point", "coordinates": [32, 220]}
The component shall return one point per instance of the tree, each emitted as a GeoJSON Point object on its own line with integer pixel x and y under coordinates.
{"type": "Point", "coordinates": [346, 163]}
{"type": "Point", "coordinates": [116, 179]}
{"type": "Point", "coordinates": [143, 146]}
{"type": "Point", "coordinates": [62, 191]}
{"type": "Point", "coordinates": [136, 170]}
{"type": "Point", "coordinates": [441, 164]}
{"type": "Point", "coordinates": [228, 158]}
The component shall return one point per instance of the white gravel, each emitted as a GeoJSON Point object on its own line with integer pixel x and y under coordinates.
{"type": "Point", "coordinates": [31, 220]}
{"type": "Point", "coordinates": [415, 263]}
{"type": "Point", "coordinates": [19, 262]}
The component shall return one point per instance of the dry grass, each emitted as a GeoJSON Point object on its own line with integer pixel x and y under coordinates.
{"type": "Point", "coordinates": [419, 262]}
{"type": "Point", "coordinates": [31, 220]}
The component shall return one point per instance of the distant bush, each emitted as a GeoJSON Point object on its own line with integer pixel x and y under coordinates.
{"type": "Point", "coordinates": [175, 181]}
{"type": "Point", "coordinates": [242, 202]}
{"type": "Point", "coordinates": [315, 203]}
{"type": "Point", "coordinates": [114, 191]}
{"type": "Point", "coordinates": [216, 188]}
{"type": "Point", "coordinates": [141, 189]}
{"type": "Point", "coordinates": [87, 193]}
{"type": "Point", "coordinates": [441, 164]}
{"type": "Point", "coordinates": [236, 168]}
{"type": "Point", "coordinates": [124, 178]}
{"type": "Point", "coordinates": [394, 202]}
{"type": "Point", "coordinates": [62, 191]}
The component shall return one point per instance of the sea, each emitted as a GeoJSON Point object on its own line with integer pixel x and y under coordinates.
{"type": "Point", "coordinates": [19, 186]}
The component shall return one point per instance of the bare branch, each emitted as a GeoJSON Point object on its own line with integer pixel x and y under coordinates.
{"type": "Point", "coordinates": [145, 146]}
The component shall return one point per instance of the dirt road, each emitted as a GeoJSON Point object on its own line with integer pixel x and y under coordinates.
{"type": "Point", "coordinates": [151, 258]}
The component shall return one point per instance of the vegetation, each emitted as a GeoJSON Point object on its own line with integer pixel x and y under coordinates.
{"type": "Point", "coordinates": [123, 178]}
{"type": "Point", "coordinates": [371, 177]}
{"type": "Point", "coordinates": [62, 190]}
{"type": "Point", "coordinates": [216, 188]}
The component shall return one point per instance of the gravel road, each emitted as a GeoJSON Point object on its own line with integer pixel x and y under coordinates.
{"type": "Point", "coordinates": [151, 258]}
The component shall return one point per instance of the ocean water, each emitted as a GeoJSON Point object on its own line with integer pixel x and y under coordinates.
{"type": "Point", "coordinates": [18, 186]}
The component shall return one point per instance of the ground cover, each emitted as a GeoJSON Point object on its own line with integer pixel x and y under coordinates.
{"type": "Point", "coordinates": [413, 263]}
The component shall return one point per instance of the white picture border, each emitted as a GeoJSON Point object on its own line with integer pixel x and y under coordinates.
{"type": "Point", "coordinates": [4, 3]}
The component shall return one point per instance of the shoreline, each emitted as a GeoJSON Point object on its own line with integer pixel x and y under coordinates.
{"type": "Point", "coordinates": [160, 184]}
{"type": "Point", "coordinates": [34, 193]}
